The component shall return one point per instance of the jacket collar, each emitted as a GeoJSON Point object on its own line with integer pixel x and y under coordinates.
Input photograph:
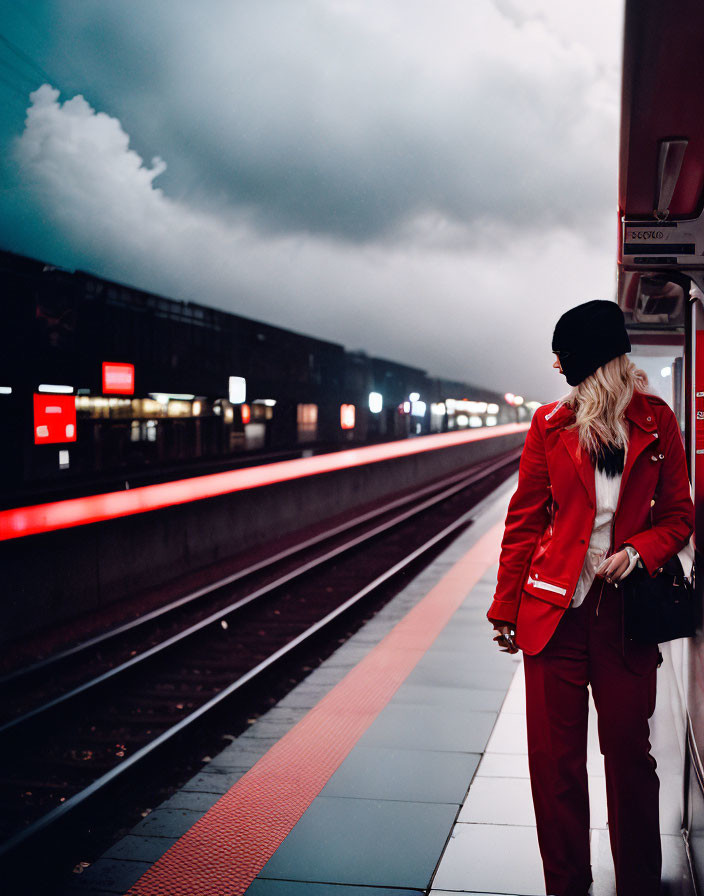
{"type": "Point", "coordinates": [641, 434]}
{"type": "Point", "coordinates": [640, 411]}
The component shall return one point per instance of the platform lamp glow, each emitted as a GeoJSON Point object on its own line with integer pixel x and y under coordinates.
{"type": "Point", "coordinates": [376, 402]}
{"type": "Point", "coordinates": [237, 389]}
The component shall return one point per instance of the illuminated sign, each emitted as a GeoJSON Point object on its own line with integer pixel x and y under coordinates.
{"type": "Point", "coordinates": [54, 418]}
{"type": "Point", "coordinates": [118, 379]}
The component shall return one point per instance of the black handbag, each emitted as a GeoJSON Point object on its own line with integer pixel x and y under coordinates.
{"type": "Point", "coordinates": [662, 607]}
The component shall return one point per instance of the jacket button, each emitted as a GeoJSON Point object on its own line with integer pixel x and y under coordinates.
{"type": "Point", "coordinates": [652, 457]}
{"type": "Point", "coordinates": [581, 541]}
{"type": "Point", "coordinates": [649, 419]}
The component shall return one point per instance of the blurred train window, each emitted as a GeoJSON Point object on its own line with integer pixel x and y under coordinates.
{"type": "Point", "coordinates": [255, 435]}
{"type": "Point", "coordinates": [261, 411]}
{"type": "Point", "coordinates": [347, 416]}
{"type": "Point", "coordinates": [307, 420]}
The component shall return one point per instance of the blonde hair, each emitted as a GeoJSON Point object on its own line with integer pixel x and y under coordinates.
{"type": "Point", "coordinates": [600, 402]}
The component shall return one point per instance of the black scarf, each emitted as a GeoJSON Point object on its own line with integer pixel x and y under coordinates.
{"type": "Point", "coordinates": [609, 459]}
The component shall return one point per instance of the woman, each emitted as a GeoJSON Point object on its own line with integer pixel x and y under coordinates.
{"type": "Point", "coordinates": [602, 484]}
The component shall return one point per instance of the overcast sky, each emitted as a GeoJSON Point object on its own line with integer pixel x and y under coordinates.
{"type": "Point", "coordinates": [432, 182]}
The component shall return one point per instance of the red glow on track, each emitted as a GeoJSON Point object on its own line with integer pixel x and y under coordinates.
{"type": "Point", "coordinates": [20, 521]}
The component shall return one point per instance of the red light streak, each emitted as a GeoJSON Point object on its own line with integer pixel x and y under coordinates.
{"type": "Point", "coordinates": [39, 518]}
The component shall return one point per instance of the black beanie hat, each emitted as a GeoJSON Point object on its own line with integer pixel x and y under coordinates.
{"type": "Point", "coordinates": [588, 336]}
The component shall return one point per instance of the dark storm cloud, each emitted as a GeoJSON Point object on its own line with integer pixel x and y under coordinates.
{"type": "Point", "coordinates": [338, 119]}
{"type": "Point", "coordinates": [432, 183]}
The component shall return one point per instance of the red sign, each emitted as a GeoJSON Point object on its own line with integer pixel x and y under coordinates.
{"type": "Point", "coordinates": [118, 379]}
{"type": "Point", "coordinates": [54, 418]}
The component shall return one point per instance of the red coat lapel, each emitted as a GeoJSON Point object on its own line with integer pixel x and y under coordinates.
{"type": "Point", "coordinates": [581, 460]}
{"type": "Point", "coordinates": [641, 434]}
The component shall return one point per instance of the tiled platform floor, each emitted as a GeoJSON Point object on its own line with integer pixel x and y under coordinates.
{"type": "Point", "coordinates": [399, 815]}
{"type": "Point", "coordinates": [497, 820]}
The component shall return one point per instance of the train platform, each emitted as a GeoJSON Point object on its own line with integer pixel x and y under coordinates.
{"type": "Point", "coordinates": [397, 767]}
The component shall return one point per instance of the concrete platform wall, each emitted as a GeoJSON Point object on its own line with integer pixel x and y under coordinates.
{"type": "Point", "coordinates": [55, 577]}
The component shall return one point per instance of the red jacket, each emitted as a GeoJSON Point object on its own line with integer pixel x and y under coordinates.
{"type": "Point", "coordinates": [551, 514]}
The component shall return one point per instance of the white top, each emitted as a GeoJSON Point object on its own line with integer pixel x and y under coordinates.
{"type": "Point", "coordinates": [607, 489]}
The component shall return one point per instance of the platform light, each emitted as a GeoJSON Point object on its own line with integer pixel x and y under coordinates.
{"type": "Point", "coordinates": [492, 409]}
{"type": "Point", "coordinates": [196, 408]}
{"type": "Point", "coordinates": [177, 408]}
{"type": "Point", "coordinates": [230, 414]}
{"type": "Point", "coordinates": [5, 390]}
{"type": "Point", "coordinates": [414, 396]}
{"type": "Point", "coordinates": [165, 397]}
{"type": "Point", "coordinates": [438, 408]}
{"type": "Point", "coordinates": [518, 399]}
{"type": "Point", "coordinates": [467, 405]}
{"type": "Point", "coordinates": [376, 402]}
{"type": "Point", "coordinates": [347, 416]}
{"type": "Point", "coordinates": [491, 420]}
{"type": "Point", "coordinates": [45, 387]}
{"type": "Point", "coordinates": [63, 460]}
{"type": "Point", "coordinates": [475, 420]}
{"type": "Point", "coordinates": [509, 397]}
{"type": "Point", "coordinates": [666, 371]}
{"type": "Point", "coordinates": [406, 407]}
{"type": "Point", "coordinates": [462, 419]}
{"type": "Point", "coordinates": [418, 408]}
{"type": "Point", "coordinates": [269, 402]}
{"type": "Point", "coordinates": [237, 389]}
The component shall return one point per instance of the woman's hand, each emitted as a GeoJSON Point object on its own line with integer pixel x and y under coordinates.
{"type": "Point", "coordinates": [613, 567]}
{"type": "Point", "coordinates": [505, 638]}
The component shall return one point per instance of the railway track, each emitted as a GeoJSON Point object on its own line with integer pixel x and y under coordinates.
{"type": "Point", "coordinates": [78, 722]}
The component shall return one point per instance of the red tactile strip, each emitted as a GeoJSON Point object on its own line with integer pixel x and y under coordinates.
{"type": "Point", "coordinates": [222, 853]}
{"type": "Point", "coordinates": [18, 522]}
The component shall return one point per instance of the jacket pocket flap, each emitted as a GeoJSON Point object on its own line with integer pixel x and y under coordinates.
{"type": "Point", "coordinates": [553, 592]}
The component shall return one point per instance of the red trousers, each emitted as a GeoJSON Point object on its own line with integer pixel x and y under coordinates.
{"type": "Point", "coordinates": [588, 646]}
